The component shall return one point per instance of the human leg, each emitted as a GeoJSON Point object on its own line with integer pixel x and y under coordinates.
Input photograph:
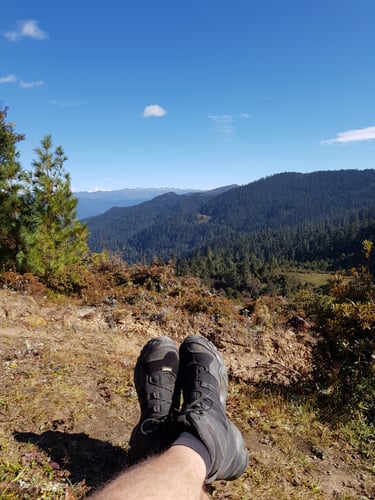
{"type": "Point", "coordinates": [206, 445]}
{"type": "Point", "coordinates": [179, 472]}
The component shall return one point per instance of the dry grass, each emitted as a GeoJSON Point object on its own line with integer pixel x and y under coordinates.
{"type": "Point", "coordinates": [68, 404]}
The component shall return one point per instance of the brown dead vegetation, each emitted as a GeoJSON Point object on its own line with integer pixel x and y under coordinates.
{"type": "Point", "coordinates": [68, 404]}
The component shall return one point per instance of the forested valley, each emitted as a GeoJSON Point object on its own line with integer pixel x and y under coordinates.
{"type": "Point", "coordinates": [243, 238]}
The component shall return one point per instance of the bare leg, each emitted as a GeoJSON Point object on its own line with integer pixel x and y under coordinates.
{"type": "Point", "coordinates": [177, 473]}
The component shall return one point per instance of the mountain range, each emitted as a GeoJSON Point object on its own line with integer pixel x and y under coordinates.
{"type": "Point", "coordinates": [179, 225]}
{"type": "Point", "coordinates": [92, 203]}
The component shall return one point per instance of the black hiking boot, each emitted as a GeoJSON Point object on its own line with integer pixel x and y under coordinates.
{"type": "Point", "coordinates": [204, 383]}
{"type": "Point", "coordinates": [155, 376]}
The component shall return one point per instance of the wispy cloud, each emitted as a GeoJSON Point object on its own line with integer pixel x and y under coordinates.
{"type": "Point", "coordinates": [22, 83]}
{"type": "Point", "coordinates": [361, 134]}
{"type": "Point", "coordinates": [154, 110]}
{"type": "Point", "coordinates": [27, 28]}
{"type": "Point", "coordinates": [67, 104]}
{"type": "Point", "coordinates": [31, 85]}
{"type": "Point", "coordinates": [8, 79]}
{"type": "Point", "coordinates": [223, 124]}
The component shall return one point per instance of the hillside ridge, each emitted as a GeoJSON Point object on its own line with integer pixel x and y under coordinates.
{"type": "Point", "coordinates": [91, 203]}
{"type": "Point", "coordinates": [166, 227]}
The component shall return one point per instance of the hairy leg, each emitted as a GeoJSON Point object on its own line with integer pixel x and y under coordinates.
{"type": "Point", "coordinates": [179, 472]}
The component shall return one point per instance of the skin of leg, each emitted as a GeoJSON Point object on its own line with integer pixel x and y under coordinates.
{"type": "Point", "coordinates": [179, 472]}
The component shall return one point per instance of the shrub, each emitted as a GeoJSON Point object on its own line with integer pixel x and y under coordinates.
{"type": "Point", "coordinates": [346, 323]}
{"type": "Point", "coordinates": [26, 283]}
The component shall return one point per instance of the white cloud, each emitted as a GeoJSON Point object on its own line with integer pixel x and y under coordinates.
{"type": "Point", "coordinates": [245, 115]}
{"type": "Point", "coordinates": [27, 28]}
{"type": "Point", "coordinates": [8, 79]}
{"type": "Point", "coordinates": [154, 110]}
{"type": "Point", "coordinates": [22, 84]}
{"type": "Point", "coordinates": [31, 85]}
{"type": "Point", "coordinates": [361, 134]}
{"type": "Point", "coordinates": [223, 124]}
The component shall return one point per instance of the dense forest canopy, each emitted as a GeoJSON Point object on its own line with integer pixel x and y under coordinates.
{"type": "Point", "coordinates": [318, 219]}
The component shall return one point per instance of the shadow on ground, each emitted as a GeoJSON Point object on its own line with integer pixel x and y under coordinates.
{"type": "Point", "coordinates": [87, 459]}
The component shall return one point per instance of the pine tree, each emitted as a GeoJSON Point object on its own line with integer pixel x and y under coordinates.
{"type": "Point", "coordinates": [10, 188]}
{"type": "Point", "coordinates": [53, 237]}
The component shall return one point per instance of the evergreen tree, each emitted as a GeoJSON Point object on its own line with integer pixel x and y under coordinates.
{"type": "Point", "coordinates": [53, 237]}
{"type": "Point", "coordinates": [10, 199]}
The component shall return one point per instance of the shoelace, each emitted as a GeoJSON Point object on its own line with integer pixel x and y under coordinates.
{"type": "Point", "coordinates": [161, 395]}
{"type": "Point", "coordinates": [163, 388]}
{"type": "Point", "coordinates": [200, 405]}
{"type": "Point", "coordinates": [150, 425]}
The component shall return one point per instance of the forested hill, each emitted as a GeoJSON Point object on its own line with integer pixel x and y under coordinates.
{"type": "Point", "coordinates": [293, 206]}
{"type": "Point", "coordinates": [291, 198]}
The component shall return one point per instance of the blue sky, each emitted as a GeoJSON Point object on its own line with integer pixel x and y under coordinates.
{"type": "Point", "coordinates": [191, 94]}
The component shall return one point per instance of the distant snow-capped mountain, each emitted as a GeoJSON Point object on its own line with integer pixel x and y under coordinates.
{"type": "Point", "coordinates": [92, 203]}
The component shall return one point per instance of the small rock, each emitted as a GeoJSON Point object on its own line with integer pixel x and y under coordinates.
{"type": "Point", "coordinates": [317, 453]}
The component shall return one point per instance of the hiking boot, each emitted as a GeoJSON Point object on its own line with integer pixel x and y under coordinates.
{"type": "Point", "coordinates": [155, 376]}
{"type": "Point", "coordinates": [204, 383]}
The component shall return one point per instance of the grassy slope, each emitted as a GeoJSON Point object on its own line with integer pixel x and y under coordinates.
{"type": "Point", "coordinates": [310, 278]}
{"type": "Point", "coordinates": [67, 401]}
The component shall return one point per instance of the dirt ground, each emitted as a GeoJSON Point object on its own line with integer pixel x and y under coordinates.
{"type": "Point", "coordinates": [68, 404]}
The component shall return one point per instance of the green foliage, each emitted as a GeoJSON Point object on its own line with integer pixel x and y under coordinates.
{"type": "Point", "coordinates": [10, 186]}
{"type": "Point", "coordinates": [346, 322]}
{"type": "Point", "coordinates": [39, 229]}
{"type": "Point", "coordinates": [53, 238]}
